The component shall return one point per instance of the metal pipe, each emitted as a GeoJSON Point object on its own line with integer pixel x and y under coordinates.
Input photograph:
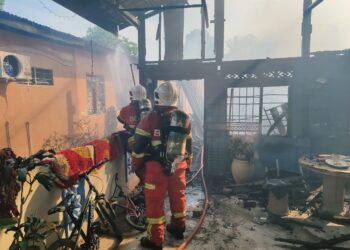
{"type": "Point", "coordinates": [202, 34]}
{"type": "Point", "coordinates": [132, 73]}
{"type": "Point", "coordinates": [28, 139]}
{"type": "Point", "coordinates": [160, 36]}
{"type": "Point", "coordinates": [7, 130]}
{"type": "Point", "coordinates": [312, 6]}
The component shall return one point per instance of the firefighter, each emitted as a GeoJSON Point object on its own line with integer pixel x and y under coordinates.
{"type": "Point", "coordinates": [130, 115]}
{"type": "Point", "coordinates": [163, 148]}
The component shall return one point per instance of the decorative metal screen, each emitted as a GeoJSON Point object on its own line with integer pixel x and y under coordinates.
{"type": "Point", "coordinates": [252, 110]}
{"type": "Point", "coordinates": [243, 110]}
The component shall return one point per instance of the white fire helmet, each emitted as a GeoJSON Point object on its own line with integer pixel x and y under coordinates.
{"type": "Point", "coordinates": [137, 93]}
{"type": "Point", "coordinates": [166, 94]}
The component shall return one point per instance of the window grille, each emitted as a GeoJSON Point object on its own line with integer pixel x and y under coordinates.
{"type": "Point", "coordinates": [95, 94]}
{"type": "Point", "coordinates": [257, 110]}
{"type": "Point", "coordinates": [42, 76]}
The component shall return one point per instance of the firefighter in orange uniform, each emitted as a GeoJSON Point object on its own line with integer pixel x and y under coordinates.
{"type": "Point", "coordinates": [163, 147]}
{"type": "Point", "coordinates": [129, 115]}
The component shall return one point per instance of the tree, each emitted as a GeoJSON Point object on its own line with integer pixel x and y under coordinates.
{"type": "Point", "coordinates": [2, 3]}
{"type": "Point", "coordinates": [108, 40]}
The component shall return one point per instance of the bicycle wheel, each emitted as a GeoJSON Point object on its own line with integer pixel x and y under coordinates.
{"type": "Point", "coordinates": [137, 222]}
{"type": "Point", "coordinates": [111, 221]}
{"type": "Point", "coordinates": [62, 244]}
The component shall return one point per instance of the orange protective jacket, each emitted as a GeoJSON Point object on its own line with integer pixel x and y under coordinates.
{"type": "Point", "coordinates": [148, 135]}
{"type": "Point", "coordinates": [129, 117]}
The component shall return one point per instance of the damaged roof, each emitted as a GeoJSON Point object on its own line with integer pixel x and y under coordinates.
{"type": "Point", "coordinates": [23, 26]}
{"type": "Point", "coordinates": [113, 15]}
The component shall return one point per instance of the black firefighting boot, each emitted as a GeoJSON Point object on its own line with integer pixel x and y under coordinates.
{"type": "Point", "coordinates": [145, 242]}
{"type": "Point", "coordinates": [176, 232]}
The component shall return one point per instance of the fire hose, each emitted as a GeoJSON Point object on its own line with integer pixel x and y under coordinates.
{"type": "Point", "coordinates": [206, 205]}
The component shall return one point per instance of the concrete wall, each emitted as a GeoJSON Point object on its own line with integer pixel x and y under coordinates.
{"type": "Point", "coordinates": [52, 108]}
{"type": "Point", "coordinates": [49, 108]}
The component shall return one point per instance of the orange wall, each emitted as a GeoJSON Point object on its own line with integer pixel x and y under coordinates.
{"type": "Point", "coordinates": [47, 108]}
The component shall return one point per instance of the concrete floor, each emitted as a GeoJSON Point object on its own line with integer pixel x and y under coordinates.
{"type": "Point", "coordinates": [228, 225]}
{"type": "Point", "coordinates": [195, 197]}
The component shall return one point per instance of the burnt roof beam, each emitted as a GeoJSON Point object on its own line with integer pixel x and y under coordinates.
{"type": "Point", "coordinates": [161, 8]}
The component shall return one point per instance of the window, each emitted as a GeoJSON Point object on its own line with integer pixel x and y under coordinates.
{"type": "Point", "coordinates": [253, 110]}
{"type": "Point", "coordinates": [42, 76]}
{"type": "Point", "coordinates": [96, 94]}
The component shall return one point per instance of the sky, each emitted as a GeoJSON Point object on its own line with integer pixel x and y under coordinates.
{"type": "Point", "coordinates": [253, 28]}
{"type": "Point", "coordinates": [55, 16]}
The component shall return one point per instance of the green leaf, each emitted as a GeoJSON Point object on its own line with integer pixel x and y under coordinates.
{"type": "Point", "coordinates": [6, 223]}
{"type": "Point", "coordinates": [23, 245]}
{"type": "Point", "coordinates": [14, 246]}
{"type": "Point", "coordinates": [14, 229]}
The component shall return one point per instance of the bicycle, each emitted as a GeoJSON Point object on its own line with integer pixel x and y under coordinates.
{"type": "Point", "coordinates": [134, 205]}
{"type": "Point", "coordinates": [94, 201]}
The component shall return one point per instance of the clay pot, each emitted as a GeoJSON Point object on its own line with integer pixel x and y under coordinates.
{"type": "Point", "coordinates": [242, 171]}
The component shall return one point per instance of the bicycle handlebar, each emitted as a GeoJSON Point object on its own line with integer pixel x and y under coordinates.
{"type": "Point", "coordinates": [96, 166]}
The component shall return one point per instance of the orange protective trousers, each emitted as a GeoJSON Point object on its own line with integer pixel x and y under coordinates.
{"type": "Point", "coordinates": [156, 186]}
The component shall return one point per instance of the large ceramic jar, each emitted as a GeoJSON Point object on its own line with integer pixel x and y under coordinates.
{"type": "Point", "coordinates": [242, 171]}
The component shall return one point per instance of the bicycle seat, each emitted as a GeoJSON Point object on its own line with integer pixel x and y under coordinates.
{"type": "Point", "coordinates": [60, 207]}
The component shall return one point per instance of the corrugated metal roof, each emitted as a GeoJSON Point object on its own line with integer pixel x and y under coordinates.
{"type": "Point", "coordinates": [24, 26]}
{"type": "Point", "coordinates": [106, 13]}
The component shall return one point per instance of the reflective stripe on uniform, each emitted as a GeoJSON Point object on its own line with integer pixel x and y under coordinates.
{"type": "Point", "coordinates": [150, 186]}
{"type": "Point", "coordinates": [132, 126]}
{"type": "Point", "coordinates": [131, 139]}
{"type": "Point", "coordinates": [149, 231]}
{"type": "Point", "coordinates": [156, 143]}
{"type": "Point", "coordinates": [179, 215]}
{"type": "Point", "coordinates": [137, 155]}
{"type": "Point", "coordinates": [159, 220]}
{"type": "Point", "coordinates": [140, 131]}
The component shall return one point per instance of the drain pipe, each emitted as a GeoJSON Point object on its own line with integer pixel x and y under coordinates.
{"type": "Point", "coordinates": [206, 205]}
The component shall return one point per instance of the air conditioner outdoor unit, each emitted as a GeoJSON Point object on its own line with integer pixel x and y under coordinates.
{"type": "Point", "coordinates": [15, 66]}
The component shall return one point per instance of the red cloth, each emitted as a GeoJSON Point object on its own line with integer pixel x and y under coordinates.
{"type": "Point", "coordinates": [70, 163]}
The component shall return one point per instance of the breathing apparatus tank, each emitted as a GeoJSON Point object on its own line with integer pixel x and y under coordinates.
{"type": "Point", "coordinates": [179, 129]}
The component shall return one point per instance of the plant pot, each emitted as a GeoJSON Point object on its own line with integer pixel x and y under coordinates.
{"type": "Point", "coordinates": [242, 171]}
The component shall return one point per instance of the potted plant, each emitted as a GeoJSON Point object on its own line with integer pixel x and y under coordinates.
{"type": "Point", "coordinates": [242, 152]}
